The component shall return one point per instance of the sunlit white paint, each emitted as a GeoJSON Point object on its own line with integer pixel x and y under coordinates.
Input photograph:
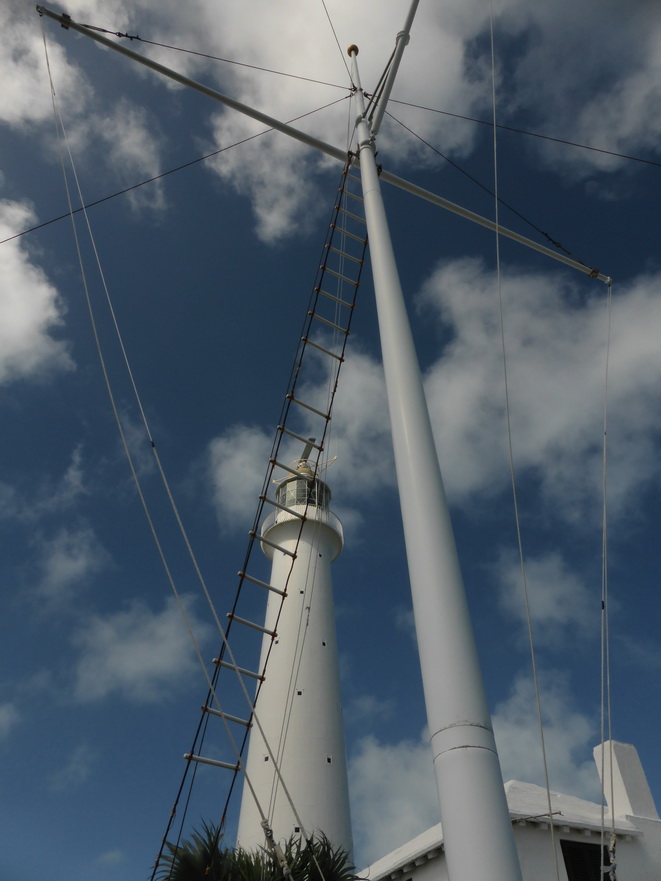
{"type": "Point", "coordinates": [299, 706]}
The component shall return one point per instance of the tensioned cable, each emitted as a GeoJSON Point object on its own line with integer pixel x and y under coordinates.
{"type": "Point", "coordinates": [550, 239]}
{"type": "Point", "coordinates": [510, 451]}
{"type": "Point", "coordinates": [182, 608]}
{"type": "Point", "coordinates": [332, 27]}
{"type": "Point", "coordinates": [111, 396]}
{"type": "Point", "coordinates": [136, 479]}
{"type": "Point", "coordinates": [163, 174]}
{"type": "Point", "coordinates": [209, 57]}
{"type": "Point", "coordinates": [605, 677]}
{"type": "Point", "coordinates": [377, 94]}
{"type": "Point", "coordinates": [392, 100]}
{"type": "Point", "coordinates": [520, 131]}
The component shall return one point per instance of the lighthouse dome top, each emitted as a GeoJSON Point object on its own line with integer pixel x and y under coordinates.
{"type": "Point", "coordinates": [303, 490]}
{"type": "Point", "coordinates": [303, 501]}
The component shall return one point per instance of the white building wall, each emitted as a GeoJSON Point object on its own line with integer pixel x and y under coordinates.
{"type": "Point", "coordinates": [638, 858]}
{"type": "Point", "coordinates": [638, 842]}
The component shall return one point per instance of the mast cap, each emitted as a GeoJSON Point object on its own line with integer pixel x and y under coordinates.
{"type": "Point", "coordinates": [352, 50]}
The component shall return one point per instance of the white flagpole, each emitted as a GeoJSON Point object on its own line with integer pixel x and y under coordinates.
{"type": "Point", "coordinates": [477, 830]}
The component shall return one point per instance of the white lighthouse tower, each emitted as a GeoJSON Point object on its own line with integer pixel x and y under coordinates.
{"type": "Point", "coordinates": [298, 706]}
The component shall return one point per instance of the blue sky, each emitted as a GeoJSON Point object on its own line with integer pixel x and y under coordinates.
{"type": "Point", "coordinates": [209, 271]}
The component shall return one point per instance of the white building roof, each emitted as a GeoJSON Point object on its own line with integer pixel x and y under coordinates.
{"type": "Point", "coordinates": [527, 802]}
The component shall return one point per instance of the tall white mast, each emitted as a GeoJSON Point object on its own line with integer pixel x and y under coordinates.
{"type": "Point", "coordinates": [477, 830]}
{"type": "Point", "coordinates": [299, 706]}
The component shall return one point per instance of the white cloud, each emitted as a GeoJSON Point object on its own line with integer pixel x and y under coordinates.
{"type": "Point", "coordinates": [611, 106]}
{"type": "Point", "coordinates": [276, 176]}
{"type": "Point", "coordinates": [644, 654]}
{"type": "Point", "coordinates": [128, 135]}
{"type": "Point", "coordinates": [111, 858]}
{"type": "Point", "coordinates": [138, 443]}
{"type": "Point", "coordinates": [556, 346]}
{"type": "Point", "coordinates": [561, 607]}
{"type": "Point", "coordinates": [278, 173]}
{"type": "Point", "coordinates": [9, 718]}
{"type": "Point", "coordinates": [359, 437]}
{"type": "Point", "coordinates": [608, 94]}
{"type": "Point", "coordinates": [569, 737]}
{"type": "Point", "coordinates": [49, 498]}
{"type": "Point", "coordinates": [393, 788]}
{"type": "Point", "coordinates": [366, 708]}
{"type": "Point", "coordinates": [23, 66]}
{"type": "Point", "coordinates": [360, 430]}
{"type": "Point", "coordinates": [236, 467]}
{"type": "Point", "coordinates": [30, 307]}
{"type": "Point", "coordinates": [121, 138]}
{"type": "Point", "coordinates": [604, 90]}
{"type": "Point", "coordinates": [136, 654]}
{"type": "Point", "coordinates": [405, 621]}
{"type": "Point", "coordinates": [67, 561]}
{"type": "Point", "coordinates": [393, 795]}
{"type": "Point", "coordinates": [72, 485]}
{"type": "Point", "coordinates": [75, 770]}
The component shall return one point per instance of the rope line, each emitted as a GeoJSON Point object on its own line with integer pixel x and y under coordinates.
{"type": "Point", "coordinates": [377, 94]}
{"type": "Point", "coordinates": [508, 128]}
{"type": "Point", "coordinates": [605, 674]}
{"type": "Point", "coordinates": [520, 131]}
{"type": "Point", "coordinates": [510, 452]}
{"type": "Point", "coordinates": [342, 54]}
{"type": "Point", "coordinates": [136, 479]}
{"type": "Point", "coordinates": [163, 174]}
{"type": "Point", "coordinates": [549, 238]}
{"type": "Point", "coordinates": [209, 57]}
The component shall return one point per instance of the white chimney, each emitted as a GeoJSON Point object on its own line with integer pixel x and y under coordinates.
{"type": "Point", "coordinates": [628, 794]}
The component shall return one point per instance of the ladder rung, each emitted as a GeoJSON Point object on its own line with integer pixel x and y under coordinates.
{"type": "Point", "coordinates": [352, 195]}
{"type": "Point", "coordinates": [229, 767]}
{"type": "Point", "coordinates": [260, 583]}
{"type": "Point", "coordinates": [352, 176]}
{"type": "Point", "coordinates": [334, 250]}
{"type": "Point", "coordinates": [307, 407]}
{"type": "Point", "coordinates": [306, 440]}
{"type": "Point", "coordinates": [254, 626]}
{"type": "Point", "coordinates": [288, 468]}
{"type": "Point", "coordinates": [340, 276]}
{"type": "Point", "coordinates": [227, 716]}
{"type": "Point", "coordinates": [220, 663]}
{"type": "Point", "coordinates": [275, 504]}
{"type": "Point", "coordinates": [333, 297]}
{"type": "Point", "coordinates": [273, 544]}
{"type": "Point", "coordinates": [352, 235]}
{"type": "Point", "coordinates": [328, 323]}
{"type": "Point", "coordinates": [309, 342]}
{"type": "Point", "coordinates": [350, 214]}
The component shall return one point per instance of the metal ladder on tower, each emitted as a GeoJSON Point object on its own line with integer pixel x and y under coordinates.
{"type": "Point", "coordinates": [305, 418]}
